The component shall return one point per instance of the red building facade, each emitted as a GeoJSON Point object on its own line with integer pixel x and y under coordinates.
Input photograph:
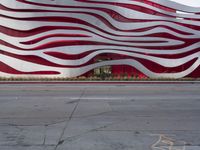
{"type": "Point", "coordinates": [143, 38]}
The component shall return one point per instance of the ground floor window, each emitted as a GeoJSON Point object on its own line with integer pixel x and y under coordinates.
{"type": "Point", "coordinates": [103, 72]}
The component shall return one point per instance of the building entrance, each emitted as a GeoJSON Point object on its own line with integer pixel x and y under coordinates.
{"type": "Point", "coordinates": [104, 71]}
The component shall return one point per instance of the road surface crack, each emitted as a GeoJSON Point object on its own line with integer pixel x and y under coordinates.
{"type": "Point", "coordinates": [60, 141]}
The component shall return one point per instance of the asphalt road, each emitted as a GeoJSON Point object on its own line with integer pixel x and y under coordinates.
{"type": "Point", "coordinates": [100, 117]}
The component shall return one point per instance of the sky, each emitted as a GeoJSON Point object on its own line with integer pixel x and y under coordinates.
{"type": "Point", "coordinates": [194, 3]}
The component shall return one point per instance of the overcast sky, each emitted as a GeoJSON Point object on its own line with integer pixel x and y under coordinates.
{"type": "Point", "coordinates": [195, 3]}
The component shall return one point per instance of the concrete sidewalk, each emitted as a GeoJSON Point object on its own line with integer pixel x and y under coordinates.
{"type": "Point", "coordinates": [104, 82]}
{"type": "Point", "coordinates": [99, 117]}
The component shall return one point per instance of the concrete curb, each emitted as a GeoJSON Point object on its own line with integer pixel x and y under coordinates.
{"type": "Point", "coordinates": [99, 82]}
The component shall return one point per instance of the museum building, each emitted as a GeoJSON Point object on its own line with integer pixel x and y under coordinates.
{"type": "Point", "coordinates": [103, 38]}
